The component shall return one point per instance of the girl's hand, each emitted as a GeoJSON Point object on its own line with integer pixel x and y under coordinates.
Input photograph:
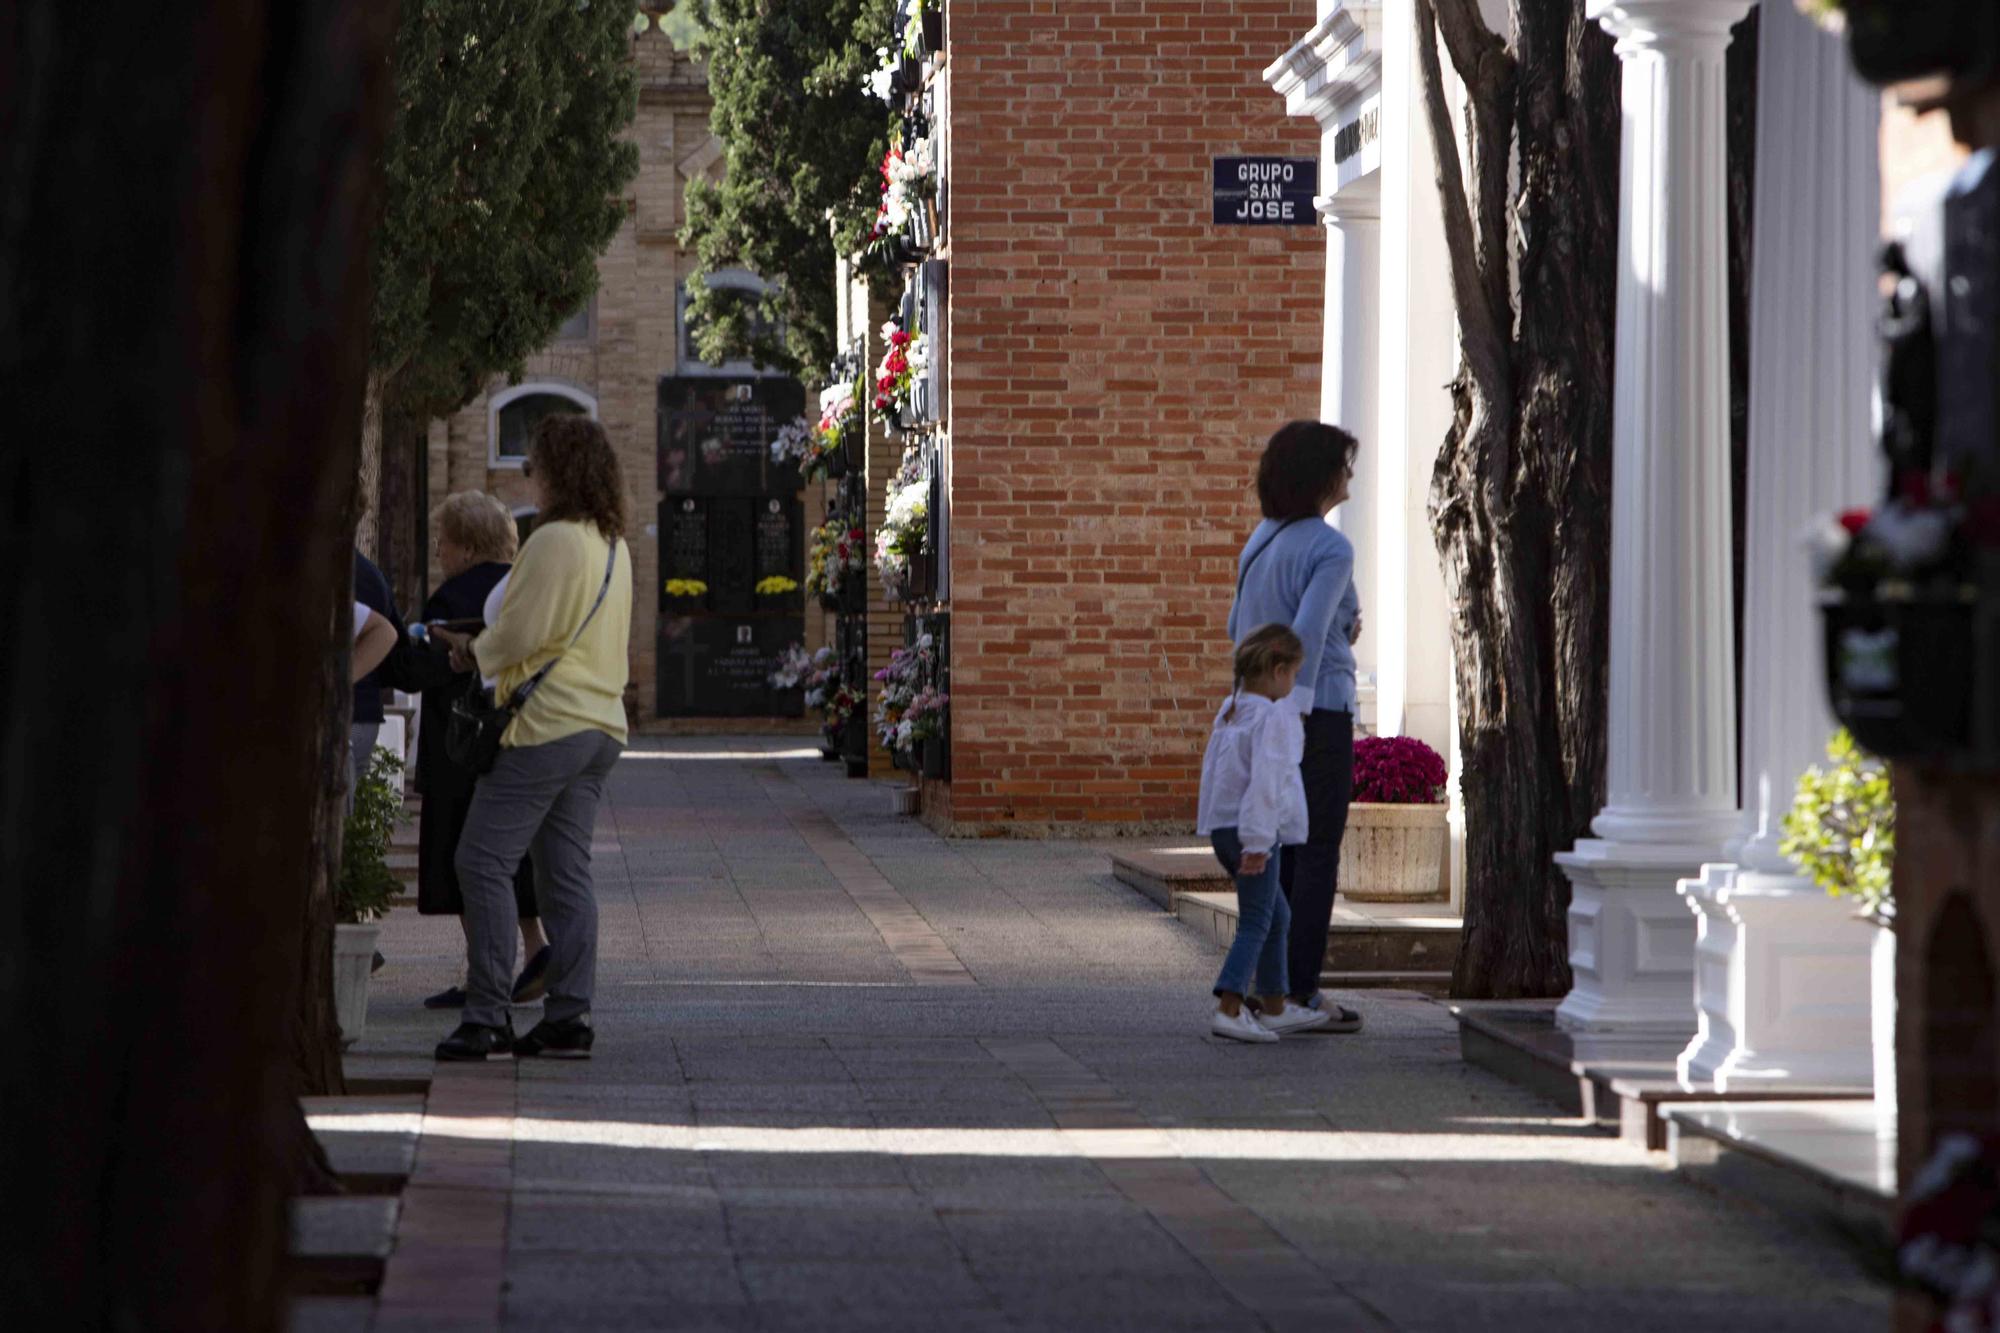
{"type": "Point", "coordinates": [1254, 863]}
{"type": "Point", "coordinates": [1354, 630]}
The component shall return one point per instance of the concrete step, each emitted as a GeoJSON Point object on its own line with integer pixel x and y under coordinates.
{"type": "Point", "coordinates": [1161, 872]}
{"type": "Point", "coordinates": [339, 1244]}
{"type": "Point", "coordinates": [1364, 945]}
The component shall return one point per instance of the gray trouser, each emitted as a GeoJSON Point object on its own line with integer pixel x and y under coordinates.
{"type": "Point", "coordinates": [544, 798]}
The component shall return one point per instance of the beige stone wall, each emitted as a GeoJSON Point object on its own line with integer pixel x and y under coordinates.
{"type": "Point", "coordinates": [632, 343]}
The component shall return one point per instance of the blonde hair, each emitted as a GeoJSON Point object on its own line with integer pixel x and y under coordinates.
{"type": "Point", "coordinates": [1263, 651]}
{"type": "Point", "coordinates": [480, 524]}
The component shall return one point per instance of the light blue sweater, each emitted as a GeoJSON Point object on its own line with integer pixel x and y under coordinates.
{"type": "Point", "coordinates": [1303, 578]}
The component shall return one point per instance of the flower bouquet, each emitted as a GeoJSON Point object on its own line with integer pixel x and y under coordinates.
{"type": "Point", "coordinates": [896, 378]}
{"type": "Point", "coordinates": [901, 682]}
{"type": "Point", "coordinates": [904, 226]}
{"type": "Point", "coordinates": [926, 720]}
{"type": "Point", "coordinates": [899, 542]}
{"type": "Point", "coordinates": [837, 559]}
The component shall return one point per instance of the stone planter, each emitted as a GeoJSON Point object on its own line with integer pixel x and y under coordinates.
{"type": "Point", "coordinates": [1392, 853]}
{"type": "Point", "coordinates": [1882, 1016]}
{"type": "Point", "coordinates": [353, 962]}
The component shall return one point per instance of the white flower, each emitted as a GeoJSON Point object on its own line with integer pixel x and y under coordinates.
{"type": "Point", "coordinates": [1909, 536]}
{"type": "Point", "coordinates": [878, 84]}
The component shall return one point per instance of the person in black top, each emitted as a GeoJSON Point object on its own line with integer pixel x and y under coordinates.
{"type": "Point", "coordinates": [475, 545]}
{"type": "Point", "coordinates": [372, 591]}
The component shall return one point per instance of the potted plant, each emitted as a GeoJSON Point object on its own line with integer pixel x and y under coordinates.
{"type": "Point", "coordinates": [837, 565]}
{"type": "Point", "coordinates": [365, 890]}
{"type": "Point", "coordinates": [1841, 834]}
{"type": "Point", "coordinates": [1393, 850]}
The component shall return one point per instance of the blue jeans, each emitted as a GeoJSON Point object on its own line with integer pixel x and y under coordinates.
{"type": "Point", "coordinates": [1263, 919]}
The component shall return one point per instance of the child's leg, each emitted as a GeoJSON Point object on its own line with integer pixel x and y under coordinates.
{"type": "Point", "coordinates": [1255, 896]}
{"type": "Point", "coordinates": [1271, 978]}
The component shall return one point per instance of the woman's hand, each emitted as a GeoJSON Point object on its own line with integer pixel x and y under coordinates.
{"type": "Point", "coordinates": [460, 646]}
{"type": "Point", "coordinates": [1354, 630]}
{"type": "Point", "coordinates": [1254, 863]}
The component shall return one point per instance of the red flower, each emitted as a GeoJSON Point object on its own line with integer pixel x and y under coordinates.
{"type": "Point", "coordinates": [1397, 770]}
{"type": "Point", "coordinates": [1854, 520]}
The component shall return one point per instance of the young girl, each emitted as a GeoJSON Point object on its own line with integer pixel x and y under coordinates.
{"type": "Point", "coordinates": [1252, 799]}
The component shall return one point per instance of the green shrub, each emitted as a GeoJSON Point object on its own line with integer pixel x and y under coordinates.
{"type": "Point", "coordinates": [367, 885]}
{"type": "Point", "coordinates": [1841, 829]}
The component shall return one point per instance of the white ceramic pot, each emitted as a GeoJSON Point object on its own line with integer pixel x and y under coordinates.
{"type": "Point", "coordinates": [353, 961]}
{"type": "Point", "coordinates": [1882, 1015]}
{"type": "Point", "coordinates": [1393, 853]}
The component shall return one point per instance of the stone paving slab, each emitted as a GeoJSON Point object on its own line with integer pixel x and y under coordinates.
{"type": "Point", "coordinates": [850, 1075]}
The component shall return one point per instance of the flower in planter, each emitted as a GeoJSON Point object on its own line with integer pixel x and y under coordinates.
{"type": "Point", "coordinates": [902, 683]}
{"type": "Point", "coordinates": [1397, 770]}
{"type": "Point", "coordinates": [686, 588]}
{"type": "Point", "coordinates": [776, 585]}
{"type": "Point", "coordinates": [794, 665]}
{"type": "Point", "coordinates": [903, 361]}
{"type": "Point", "coordinates": [1841, 829]}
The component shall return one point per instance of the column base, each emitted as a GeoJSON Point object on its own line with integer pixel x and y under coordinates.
{"type": "Point", "coordinates": [1782, 985]}
{"type": "Point", "coordinates": [1631, 941]}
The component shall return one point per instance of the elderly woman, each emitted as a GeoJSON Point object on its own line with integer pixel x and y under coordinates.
{"type": "Point", "coordinates": [1298, 570]}
{"type": "Point", "coordinates": [565, 619]}
{"type": "Point", "coordinates": [475, 545]}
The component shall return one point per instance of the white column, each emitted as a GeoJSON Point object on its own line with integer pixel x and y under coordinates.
{"type": "Point", "coordinates": [1349, 383]}
{"type": "Point", "coordinates": [1782, 976]}
{"type": "Point", "coordinates": [1672, 721]}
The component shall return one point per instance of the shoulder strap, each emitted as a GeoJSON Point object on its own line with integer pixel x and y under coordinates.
{"type": "Point", "coordinates": [529, 685]}
{"type": "Point", "coordinates": [1244, 572]}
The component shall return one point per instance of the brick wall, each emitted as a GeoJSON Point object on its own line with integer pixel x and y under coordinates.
{"type": "Point", "coordinates": [1116, 363]}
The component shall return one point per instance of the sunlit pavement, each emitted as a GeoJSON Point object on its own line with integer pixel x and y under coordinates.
{"type": "Point", "coordinates": [850, 1074]}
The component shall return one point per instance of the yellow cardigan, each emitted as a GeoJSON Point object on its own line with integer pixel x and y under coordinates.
{"type": "Point", "coordinates": [549, 590]}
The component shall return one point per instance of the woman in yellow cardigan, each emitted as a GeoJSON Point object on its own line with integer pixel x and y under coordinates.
{"type": "Point", "coordinates": [568, 600]}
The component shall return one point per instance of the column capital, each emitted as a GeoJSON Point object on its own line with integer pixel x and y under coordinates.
{"type": "Point", "coordinates": [1686, 27]}
{"type": "Point", "coordinates": [1336, 211]}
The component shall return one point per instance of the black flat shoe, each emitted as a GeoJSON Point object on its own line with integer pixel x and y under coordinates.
{"type": "Point", "coordinates": [533, 982]}
{"type": "Point", "coordinates": [476, 1041]}
{"type": "Point", "coordinates": [558, 1039]}
{"type": "Point", "coordinates": [451, 997]}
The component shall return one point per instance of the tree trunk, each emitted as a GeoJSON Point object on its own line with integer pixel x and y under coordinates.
{"type": "Point", "coordinates": [183, 320]}
{"type": "Point", "coordinates": [369, 466]}
{"type": "Point", "coordinates": [1520, 499]}
{"type": "Point", "coordinates": [399, 526]}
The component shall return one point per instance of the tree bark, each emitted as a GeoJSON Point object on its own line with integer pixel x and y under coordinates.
{"type": "Point", "coordinates": [184, 214]}
{"type": "Point", "coordinates": [368, 467]}
{"type": "Point", "coordinates": [1520, 498]}
{"type": "Point", "coordinates": [399, 527]}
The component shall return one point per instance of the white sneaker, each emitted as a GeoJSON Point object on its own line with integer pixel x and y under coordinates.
{"type": "Point", "coordinates": [1295, 1018]}
{"type": "Point", "coordinates": [1243, 1026]}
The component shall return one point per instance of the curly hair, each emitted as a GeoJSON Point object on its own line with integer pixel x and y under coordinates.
{"type": "Point", "coordinates": [579, 472]}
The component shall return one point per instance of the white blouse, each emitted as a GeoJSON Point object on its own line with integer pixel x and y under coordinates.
{"type": "Point", "coordinates": [490, 613]}
{"type": "Point", "coordinates": [1250, 774]}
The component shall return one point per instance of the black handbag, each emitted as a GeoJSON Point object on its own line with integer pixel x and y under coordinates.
{"type": "Point", "coordinates": [472, 733]}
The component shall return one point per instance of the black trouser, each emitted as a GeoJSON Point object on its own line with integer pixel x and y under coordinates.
{"type": "Point", "coordinates": [1308, 872]}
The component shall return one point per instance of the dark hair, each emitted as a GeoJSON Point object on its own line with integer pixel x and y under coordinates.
{"type": "Point", "coordinates": [1301, 465]}
{"type": "Point", "coordinates": [579, 472]}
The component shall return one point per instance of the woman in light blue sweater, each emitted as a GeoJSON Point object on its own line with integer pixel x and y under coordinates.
{"type": "Point", "coordinates": [1298, 570]}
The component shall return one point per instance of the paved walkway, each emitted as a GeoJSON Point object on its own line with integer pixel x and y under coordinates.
{"type": "Point", "coordinates": [851, 1075]}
